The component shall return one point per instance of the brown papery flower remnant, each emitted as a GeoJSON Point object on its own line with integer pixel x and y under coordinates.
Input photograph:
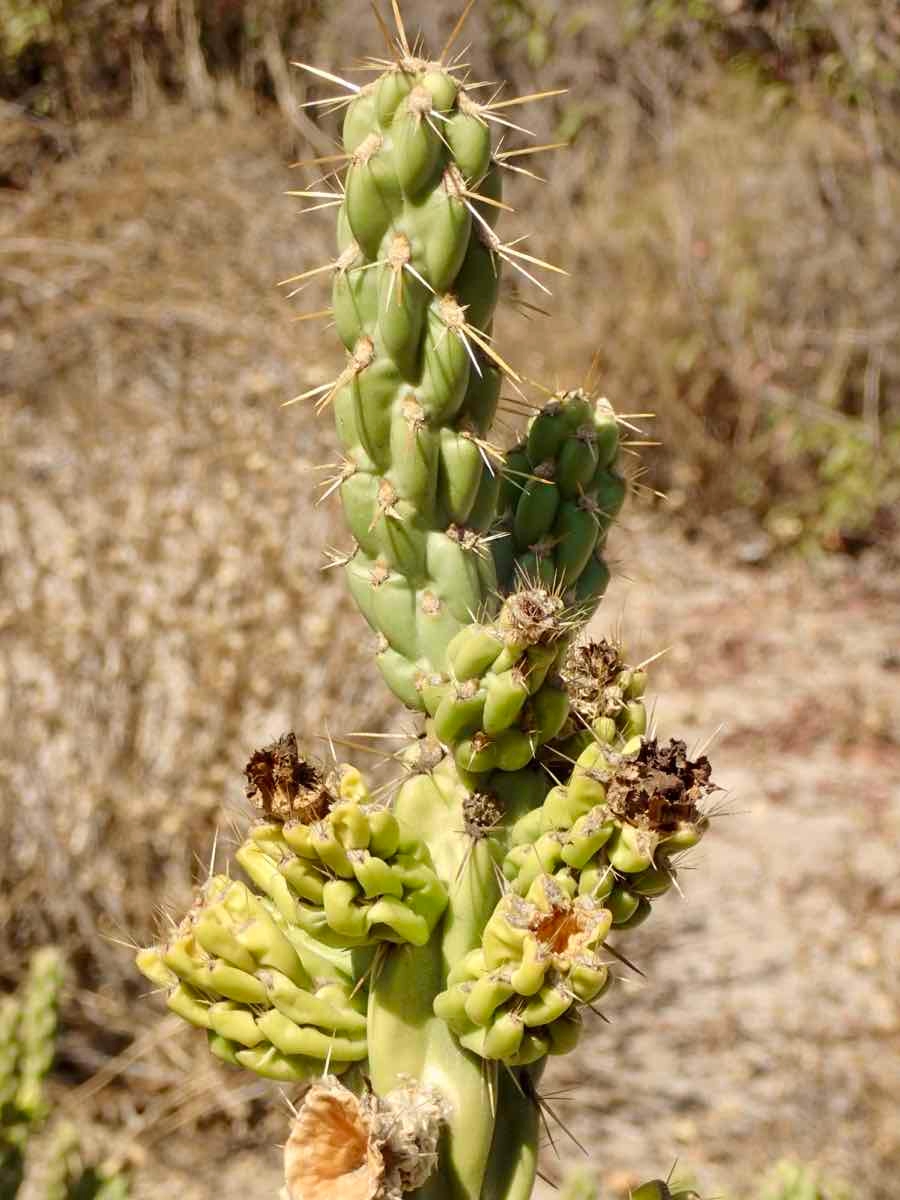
{"type": "Point", "coordinates": [344, 1147]}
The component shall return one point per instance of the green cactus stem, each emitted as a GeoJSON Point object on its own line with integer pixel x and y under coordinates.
{"type": "Point", "coordinates": [232, 969]}
{"type": "Point", "coordinates": [415, 285]}
{"type": "Point", "coordinates": [275, 977]}
{"type": "Point", "coordinates": [516, 998]}
{"type": "Point", "coordinates": [501, 699]}
{"type": "Point", "coordinates": [561, 493]}
{"type": "Point", "coordinates": [615, 830]}
{"type": "Point", "coordinates": [355, 877]}
{"type": "Point", "coordinates": [37, 1030]}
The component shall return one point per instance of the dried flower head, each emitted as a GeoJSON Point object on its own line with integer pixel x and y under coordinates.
{"type": "Point", "coordinates": [372, 1148]}
{"type": "Point", "coordinates": [284, 786]}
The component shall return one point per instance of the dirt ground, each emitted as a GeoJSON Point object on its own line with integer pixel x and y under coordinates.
{"type": "Point", "coordinates": [161, 613]}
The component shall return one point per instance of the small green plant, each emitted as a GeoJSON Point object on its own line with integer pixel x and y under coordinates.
{"type": "Point", "coordinates": [414, 958]}
{"type": "Point", "coordinates": [793, 1181]}
{"type": "Point", "coordinates": [55, 1164]}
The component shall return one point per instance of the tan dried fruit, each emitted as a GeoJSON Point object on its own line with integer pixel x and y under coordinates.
{"type": "Point", "coordinates": [330, 1152]}
{"type": "Point", "coordinates": [344, 1148]}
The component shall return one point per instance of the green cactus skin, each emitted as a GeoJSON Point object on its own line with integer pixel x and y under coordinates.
{"type": "Point", "coordinates": [37, 1030]}
{"type": "Point", "coordinates": [612, 831]}
{"type": "Point", "coordinates": [231, 969]}
{"type": "Point", "coordinates": [352, 879]}
{"type": "Point", "coordinates": [414, 291]}
{"type": "Point", "coordinates": [500, 700]}
{"type": "Point", "coordinates": [515, 997]}
{"type": "Point", "coordinates": [512, 1169]}
{"type": "Point", "coordinates": [276, 978]}
{"type": "Point", "coordinates": [560, 495]}
{"type": "Point", "coordinates": [405, 1034]}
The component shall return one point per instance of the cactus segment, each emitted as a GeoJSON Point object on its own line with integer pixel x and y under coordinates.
{"type": "Point", "coordinates": [414, 290]}
{"type": "Point", "coordinates": [36, 1031]}
{"type": "Point", "coordinates": [561, 493]}
{"type": "Point", "coordinates": [405, 1034]}
{"type": "Point", "coordinates": [614, 831]}
{"type": "Point", "coordinates": [513, 1164]}
{"type": "Point", "coordinates": [352, 878]}
{"type": "Point", "coordinates": [337, 867]}
{"type": "Point", "coordinates": [231, 970]}
{"type": "Point", "coordinates": [500, 700]}
{"type": "Point", "coordinates": [515, 998]}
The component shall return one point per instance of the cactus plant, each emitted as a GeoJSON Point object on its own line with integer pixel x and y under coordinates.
{"type": "Point", "coordinates": [54, 1166]}
{"type": "Point", "coordinates": [432, 948]}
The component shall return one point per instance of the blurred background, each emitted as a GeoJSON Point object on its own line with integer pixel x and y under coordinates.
{"type": "Point", "coordinates": [729, 213]}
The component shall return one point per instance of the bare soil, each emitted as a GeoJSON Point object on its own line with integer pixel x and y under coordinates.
{"type": "Point", "coordinates": [162, 614]}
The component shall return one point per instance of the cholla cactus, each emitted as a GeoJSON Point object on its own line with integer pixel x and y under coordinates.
{"type": "Point", "coordinates": [53, 1167]}
{"type": "Point", "coordinates": [434, 947]}
{"type": "Point", "coordinates": [27, 1045]}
